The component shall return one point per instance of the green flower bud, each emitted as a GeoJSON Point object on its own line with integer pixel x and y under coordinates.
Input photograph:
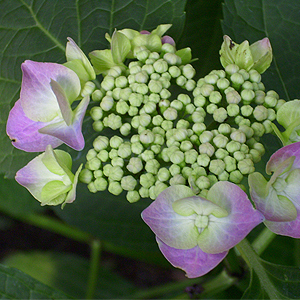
{"type": "Point", "coordinates": [142, 55]}
{"type": "Point", "coordinates": [211, 78]}
{"type": "Point", "coordinates": [155, 76]}
{"type": "Point", "coordinates": [231, 69]}
{"type": "Point", "coordinates": [181, 80]}
{"type": "Point", "coordinates": [165, 94]}
{"type": "Point", "coordinates": [220, 115]}
{"type": "Point", "coordinates": [172, 59]}
{"type": "Point", "coordinates": [268, 126]}
{"type": "Point", "coordinates": [114, 71]}
{"type": "Point", "coordinates": [254, 76]}
{"type": "Point", "coordinates": [216, 166]}
{"type": "Point", "coordinates": [200, 101]}
{"type": "Point", "coordinates": [91, 154]}
{"type": "Point", "coordinates": [108, 83]}
{"type": "Point", "coordinates": [156, 149]}
{"type": "Point", "coordinates": [157, 120]}
{"type": "Point", "coordinates": [106, 169]}
{"type": "Point", "coordinates": [215, 97]}
{"type": "Point", "coordinates": [177, 157]}
{"type": "Point", "coordinates": [198, 128]}
{"type": "Point", "coordinates": [207, 148]}
{"type": "Point", "coordinates": [233, 97]}
{"type": "Point", "coordinates": [258, 129]}
{"type": "Point", "coordinates": [98, 126]}
{"type": "Point", "coordinates": [163, 104]}
{"type": "Point", "coordinates": [206, 89]}
{"type": "Point", "coordinates": [125, 93]}
{"type": "Point", "coordinates": [107, 103]}
{"type": "Point", "coordinates": [259, 147]}
{"type": "Point", "coordinates": [223, 83]}
{"type": "Point", "coordinates": [141, 77]}
{"type": "Point", "coordinates": [233, 146]}
{"type": "Point", "coordinates": [128, 183]}
{"type": "Point", "coordinates": [174, 71]}
{"type": "Point", "coordinates": [211, 108]}
{"type": "Point", "coordinates": [190, 156]}
{"type": "Point", "coordinates": [166, 124]}
{"type": "Point", "coordinates": [212, 179]}
{"type": "Point", "coordinates": [160, 66]}
{"type": "Point", "coordinates": [190, 85]}
{"type": "Point", "coordinates": [244, 148]}
{"type": "Point", "coordinates": [224, 129]}
{"type": "Point", "coordinates": [186, 146]}
{"type": "Point", "coordinates": [113, 121]}
{"type": "Point", "coordinates": [233, 110]}
{"type": "Point", "coordinates": [190, 108]}
{"type": "Point", "coordinates": [115, 142]}
{"type": "Point", "coordinates": [246, 166]}
{"type": "Point", "coordinates": [220, 141]}
{"type": "Point", "coordinates": [223, 176]}
{"type": "Point", "coordinates": [124, 150]}
{"type": "Point", "coordinates": [280, 102]}
{"type": "Point", "coordinates": [230, 163]}
{"type": "Point", "coordinates": [133, 111]}
{"type": "Point", "coordinates": [176, 104]}
{"type": "Point", "coordinates": [239, 155]}
{"type": "Point", "coordinates": [113, 153]}
{"type": "Point", "coordinates": [91, 187]}
{"type": "Point", "coordinates": [177, 180]}
{"type": "Point", "coordinates": [203, 182]}
{"type": "Point", "coordinates": [152, 193]}
{"type": "Point", "coordinates": [97, 95]}
{"type": "Point", "coordinates": [121, 82]}
{"type": "Point", "coordinates": [236, 176]}
{"type": "Point", "coordinates": [221, 153]}
{"type": "Point", "coordinates": [86, 176]}
{"type": "Point", "coordinates": [255, 155]}
{"type": "Point", "coordinates": [163, 174]}
{"type": "Point", "coordinates": [134, 67]}
{"type": "Point", "coordinates": [246, 110]}
{"type": "Point", "coordinates": [174, 169]}
{"type": "Point", "coordinates": [170, 114]}
{"type": "Point", "coordinates": [98, 173]}
{"type": "Point", "coordinates": [179, 134]}
{"type": "Point", "coordinates": [122, 107]}
{"type": "Point", "coordinates": [188, 71]}
{"type": "Point", "coordinates": [144, 192]}
{"type": "Point", "coordinates": [137, 148]}
{"type": "Point", "coordinates": [135, 165]}
{"type": "Point", "coordinates": [238, 136]}
{"type": "Point", "coordinates": [142, 88]}
{"type": "Point", "coordinates": [125, 129]}
{"type": "Point", "coordinates": [136, 99]}
{"type": "Point", "coordinates": [96, 113]}
{"type": "Point", "coordinates": [237, 80]}
{"type": "Point", "coordinates": [100, 143]}
{"type": "Point", "coordinates": [260, 113]}
{"type": "Point", "coordinates": [117, 162]}
{"type": "Point", "coordinates": [133, 196]}
{"type": "Point", "coordinates": [259, 97]}
{"type": "Point", "coordinates": [147, 155]}
{"type": "Point", "coordinates": [148, 69]}
{"type": "Point", "coordinates": [271, 114]}
{"type": "Point", "coordinates": [147, 137]}
{"type": "Point", "coordinates": [247, 95]}
{"type": "Point", "coordinates": [115, 188]}
{"type": "Point", "coordinates": [147, 180]}
{"type": "Point", "coordinates": [116, 173]}
{"type": "Point", "coordinates": [103, 155]}
{"type": "Point", "coordinates": [206, 136]}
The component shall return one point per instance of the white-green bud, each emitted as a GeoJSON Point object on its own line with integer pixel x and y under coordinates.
{"type": "Point", "coordinates": [233, 110]}
{"type": "Point", "coordinates": [212, 179]}
{"type": "Point", "coordinates": [224, 129]}
{"type": "Point", "coordinates": [133, 196]}
{"type": "Point", "coordinates": [254, 76]}
{"type": "Point", "coordinates": [157, 120]}
{"type": "Point", "coordinates": [233, 146]}
{"type": "Point", "coordinates": [147, 155]}
{"type": "Point", "coordinates": [236, 176]}
{"type": "Point", "coordinates": [115, 142]}
{"type": "Point", "coordinates": [176, 104]}
{"type": "Point", "coordinates": [233, 97]}
{"type": "Point", "coordinates": [237, 80]}
{"type": "Point", "coordinates": [177, 157]}
{"type": "Point", "coordinates": [155, 76]}
{"type": "Point", "coordinates": [238, 136]}
{"type": "Point", "coordinates": [271, 114]}
{"type": "Point", "coordinates": [160, 66]}
{"type": "Point", "coordinates": [179, 134]}
{"type": "Point", "coordinates": [166, 125]}
{"type": "Point", "coordinates": [103, 155]}
{"type": "Point", "coordinates": [149, 107]}
{"type": "Point", "coordinates": [211, 108]}
{"type": "Point", "coordinates": [247, 95]}
{"type": "Point", "coordinates": [199, 101]}
{"type": "Point", "coordinates": [136, 99]}
{"type": "Point", "coordinates": [117, 162]}
{"type": "Point", "coordinates": [113, 121]}
{"type": "Point", "coordinates": [128, 183]}
{"type": "Point", "coordinates": [141, 77]}
{"type": "Point", "coordinates": [147, 137]}
{"type": "Point", "coordinates": [203, 182]}
{"type": "Point", "coordinates": [190, 108]}
{"type": "Point", "coordinates": [190, 156]}
{"type": "Point", "coordinates": [186, 146]}
{"type": "Point", "coordinates": [231, 69]}
{"type": "Point", "coordinates": [148, 69]}
{"type": "Point", "coordinates": [116, 93]}
{"type": "Point", "coordinates": [100, 184]}
{"type": "Point", "coordinates": [124, 150]}
{"type": "Point", "coordinates": [188, 71]}
{"type": "Point", "coordinates": [280, 102]}
{"type": "Point", "coordinates": [144, 192]}
{"type": "Point", "coordinates": [100, 143]}
{"type": "Point", "coordinates": [121, 82]}
{"type": "Point", "coordinates": [86, 176]}
{"type": "Point", "coordinates": [170, 114]}
{"type": "Point", "coordinates": [223, 83]}
{"type": "Point", "coordinates": [108, 83]}
{"type": "Point", "coordinates": [184, 98]}
{"type": "Point", "coordinates": [246, 166]}
{"type": "Point", "coordinates": [159, 187]}
{"type": "Point", "coordinates": [230, 163]}
{"type": "Point", "coordinates": [91, 154]}
{"type": "Point", "coordinates": [206, 89]}
{"type": "Point", "coordinates": [142, 88]}
{"type": "Point", "coordinates": [181, 80]}
{"type": "Point", "coordinates": [91, 187]}
{"type": "Point", "coordinates": [106, 169]}
{"type": "Point", "coordinates": [135, 165]}
{"type": "Point", "coordinates": [116, 173]}
{"type": "Point", "coordinates": [198, 128]}
{"type": "Point", "coordinates": [216, 166]}
{"type": "Point", "coordinates": [165, 94]}
{"type": "Point", "coordinates": [98, 173]}
{"type": "Point", "coordinates": [172, 59]}
{"type": "Point", "coordinates": [255, 155]}
{"type": "Point", "coordinates": [259, 97]}
{"type": "Point", "coordinates": [239, 155]}
{"type": "Point", "coordinates": [221, 153]}
{"type": "Point", "coordinates": [125, 93]}
{"type": "Point", "coordinates": [215, 97]}
{"type": "Point", "coordinates": [220, 115]}
{"type": "Point", "coordinates": [268, 126]}
{"type": "Point", "coordinates": [224, 176]}
{"type": "Point", "coordinates": [260, 147]}
{"type": "Point", "coordinates": [174, 169]}
{"type": "Point", "coordinates": [163, 174]}
{"type": "Point", "coordinates": [211, 78]}
{"type": "Point", "coordinates": [147, 180]}
{"type": "Point", "coordinates": [206, 136]}
{"type": "Point", "coordinates": [174, 71]}
{"type": "Point", "coordinates": [107, 103]}
{"type": "Point", "coordinates": [246, 110]}
{"type": "Point", "coordinates": [115, 188]}
{"type": "Point", "coordinates": [244, 148]}
{"type": "Point", "coordinates": [258, 128]}
{"type": "Point", "coordinates": [137, 148]}
{"type": "Point", "coordinates": [97, 95]}
{"type": "Point", "coordinates": [220, 140]}
{"type": "Point", "coordinates": [122, 107]}
{"type": "Point", "coordinates": [247, 85]}
{"type": "Point", "coordinates": [177, 179]}
{"type": "Point", "coordinates": [96, 113]}
{"type": "Point", "coordinates": [142, 55]}
{"type": "Point", "coordinates": [163, 104]}
{"type": "Point", "coordinates": [113, 153]}
{"type": "Point", "coordinates": [190, 85]}
{"type": "Point", "coordinates": [207, 148]}
{"type": "Point", "coordinates": [125, 129]}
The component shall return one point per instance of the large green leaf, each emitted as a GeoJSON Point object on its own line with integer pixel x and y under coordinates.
{"type": "Point", "coordinates": [15, 284]}
{"type": "Point", "coordinates": [69, 273]}
{"type": "Point", "coordinates": [279, 21]}
{"type": "Point", "coordinates": [38, 30]}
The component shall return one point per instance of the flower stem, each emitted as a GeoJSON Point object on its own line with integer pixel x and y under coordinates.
{"type": "Point", "coordinates": [263, 240]}
{"type": "Point", "coordinates": [94, 268]}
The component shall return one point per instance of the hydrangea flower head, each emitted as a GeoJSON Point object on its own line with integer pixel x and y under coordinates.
{"type": "Point", "coordinates": [279, 198]}
{"type": "Point", "coordinates": [43, 114]}
{"type": "Point", "coordinates": [195, 233]}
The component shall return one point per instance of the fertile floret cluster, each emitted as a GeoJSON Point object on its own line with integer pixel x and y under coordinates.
{"type": "Point", "coordinates": [168, 129]}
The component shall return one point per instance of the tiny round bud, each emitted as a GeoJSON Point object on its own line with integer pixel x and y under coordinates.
{"type": "Point", "coordinates": [190, 156]}
{"type": "Point", "coordinates": [221, 153]}
{"type": "Point", "coordinates": [188, 71]}
{"type": "Point", "coordinates": [97, 95]}
{"type": "Point", "coordinates": [203, 182]}
{"type": "Point", "coordinates": [199, 101]}
{"type": "Point", "coordinates": [207, 148]}
{"type": "Point", "coordinates": [144, 192]}
{"type": "Point", "coordinates": [216, 166]}
{"type": "Point", "coordinates": [203, 160]}
{"type": "Point", "coordinates": [91, 154]}
{"type": "Point", "coordinates": [147, 180]}
{"type": "Point", "coordinates": [236, 176]}
{"type": "Point", "coordinates": [115, 142]}
{"type": "Point", "coordinates": [258, 128]}
{"type": "Point", "coordinates": [230, 163]}
{"type": "Point", "coordinates": [211, 108]}
{"type": "Point", "coordinates": [160, 66]}
{"type": "Point", "coordinates": [96, 113]}
{"type": "Point", "coordinates": [220, 140]}
{"type": "Point", "coordinates": [135, 165]}
{"type": "Point", "coordinates": [177, 157]}
{"type": "Point", "coordinates": [237, 80]}
{"type": "Point", "coordinates": [125, 129]}
{"type": "Point", "coordinates": [215, 97]}
{"type": "Point", "coordinates": [231, 69]}
{"type": "Point", "coordinates": [86, 176]}
{"type": "Point", "coordinates": [98, 126]}
{"type": "Point", "coordinates": [259, 97]}
{"type": "Point", "coordinates": [100, 143]}
{"type": "Point", "coordinates": [163, 174]}
{"type": "Point", "coordinates": [116, 173]}
{"type": "Point", "coordinates": [198, 128]}
{"type": "Point", "coordinates": [220, 115]}
{"type": "Point", "coordinates": [107, 103]}
{"type": "Point", "coordinates": [174, 71]}
{"type": "Point", "coordinates": [147, 137]}
{"type": "Point", "coordinates": [233, 97]}
{"type": "Point", "coordinates": [177, 180]}
{"type": "Point", "coordinates": [206, 89]}
{"type": "Point", "coordinates": [233, 146]}
{"type": "Point", "coordinates": [247, 95]}
{"type": "Point", "coordinates": [133, 196]}
{"type": "Point", "coordinates": [125, 93]}
{"type": "Point", "coordinates": [246, 166]}
{"type": "Point", "coordinates": [128, 183]}
{"type": "Point", "coordinates": [172, 59]}
{"type": "Point", "coordinates": [246, 110]}
{"type": "Point", "coordinates": [223, 83]}
{"type": "Point", "coordinates": [224, 129]}
{"type": "Point", "coordinates": [211, 78]}
{"type": "Point", "coordinates": [238, 136]}
{"type": "Point", "coordinates": [124, 150]}
{"type": "Point", "coordinates": [113, 121]}
{"type": "Point", "coordinates": [136, 99]}
{"type": "Point", "coordinates": [100, 184]}
{"type": "Point", "coordinates": [115, 188]}
{"type": "Point", "coordinates": [170, 114]}
{"type": "Point", "coordinates": [108, 83]}
{"type": "Point", "coordinates": [206, 137]}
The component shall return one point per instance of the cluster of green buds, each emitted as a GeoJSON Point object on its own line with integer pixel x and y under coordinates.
{"type": "Point", "coordinates": [160, 127]}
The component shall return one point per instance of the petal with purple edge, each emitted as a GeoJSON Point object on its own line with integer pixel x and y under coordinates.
{"type": "Point", "coordinates": [224, 233]}
{"type": "Point", "coordinates": [173, 229]}
{"type": "Point", "coordinates": [193, 261]}
{"type": "Point", "coordinates": [24, 133]}
{"type": "Point", "coordinates": [37, 98]}
{"type": "Point", "coordinates": [70, 135]}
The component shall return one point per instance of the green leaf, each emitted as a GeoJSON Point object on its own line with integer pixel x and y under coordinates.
{"type": "Point", "coordinates": [69, 273]}
{"type": "Point", "coordinates": [38, 30]}
{"type": "Point", "coordinates": [15, 284]}
{"type": "Point", "coordinates": [279, 21]}
{"type": "Point", "coordinates": [285, 282]}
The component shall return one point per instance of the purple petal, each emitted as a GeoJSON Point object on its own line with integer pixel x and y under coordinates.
{"type": "Point", "coordinates": [193, 261]}
{"type": "Point", "coordinates": [24, 133]}
{"type": "Point", "coordinates": [173, 229]}
{"type": "Point", "coordinates": [145, 32]}
{"type": "Point", "coordinates": [282, 154]}
{"type": "Point", "coordinates": [224, 233]}
{"type": "Point", "coordinates": [37, 98]}
{"type": "Point", "coordinates": [167, 40]}
{"type": "Point", "coordinates": [70, 135]}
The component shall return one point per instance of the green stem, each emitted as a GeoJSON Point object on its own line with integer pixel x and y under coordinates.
{"type": "Point", "coordinates": [264, 239]}
{"type": "Point", "coordinates": [94, 268]}
{"type": "Point", "coordinates": [252, 260]}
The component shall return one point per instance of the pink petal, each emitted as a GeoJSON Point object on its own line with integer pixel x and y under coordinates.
{"type": "Point", "coordinates": [24, 132]}
{"type": "Point", "coordinates": [193, 261]}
